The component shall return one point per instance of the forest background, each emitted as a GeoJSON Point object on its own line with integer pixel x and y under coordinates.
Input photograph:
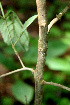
{"type": "Point", "coordinates": [57, 68]}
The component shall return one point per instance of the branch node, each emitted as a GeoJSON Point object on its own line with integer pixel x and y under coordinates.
{"type": "Point", "coordinates": [59, 16]}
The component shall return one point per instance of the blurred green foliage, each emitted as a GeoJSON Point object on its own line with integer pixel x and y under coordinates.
{"type": "Point", "coordinates": [6, 101]}
{"type": "Point", "coordinates": [57, 67]}
{"type": "Point", "coordinates": [22, 92]}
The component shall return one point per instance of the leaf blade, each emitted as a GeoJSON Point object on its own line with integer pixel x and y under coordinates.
{"type": "Point", "coordinates": [21, 91]}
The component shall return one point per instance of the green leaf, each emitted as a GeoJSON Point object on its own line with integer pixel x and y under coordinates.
{"type": "Point", "coordinates": [56, 48]}
{"type": "Point", "coordinates": [22, 92]}
{"type": "Point", "coordinates": [12, 28]}
{"type": "Point", "coordinates": [58, 64]}
{"type": "Point", "coordinates": [29, 21]}
{"type": "Point", "coordinates": [66, 39]}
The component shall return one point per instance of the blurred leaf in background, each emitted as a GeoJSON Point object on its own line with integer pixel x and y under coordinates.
{"type": "Point", "coordinates": [22, 92]}
{"type": "Point", "coordinates": [7, 101]}
{"type": "Point", "coordinates": [58, 64]}
{"type": "Point", "coordinates": [57, 67]}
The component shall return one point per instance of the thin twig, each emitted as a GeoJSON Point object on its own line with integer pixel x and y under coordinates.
{"type": "Point", "coordinates": [25, 68]}
{"type": "Point", "coordinates": [19, 58]}
{"type": "Point", "coordinates": [58, 17]}
{"type": "Point", "coordinates": [14, 47]}
{"type": "Point", "coordinates": [56, 84]}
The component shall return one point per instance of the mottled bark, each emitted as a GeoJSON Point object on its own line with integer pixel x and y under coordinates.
{"type": "Point", "coordinates": [42, 49]}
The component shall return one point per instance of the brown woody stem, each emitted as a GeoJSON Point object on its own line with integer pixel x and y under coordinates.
{"type": "Point", "coordinates": [55, 84]}
{"type": "Point", "coordinates": [42, 49]}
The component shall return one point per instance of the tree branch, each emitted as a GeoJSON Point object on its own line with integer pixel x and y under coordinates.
{"type": "Point", "coordinates": [42, 49]}
{"type": "Point", "coordinates": [58, 17]}
{"type": "Point", "coordinates": [19, 58]}
{"type": "Point", "coordinates": [22, 69]}
{"type": "Point", "coordinates": [55, 84]}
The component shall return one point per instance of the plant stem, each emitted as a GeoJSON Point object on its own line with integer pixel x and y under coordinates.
{"type": "Point", "coordinates": [42, 49]}
{"type": "Point", "coordinates": [56, 84]}
{"type": "Point", "coordinates": [2, 10]}
{"type": "Point", "coordinates": [12, 72]}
